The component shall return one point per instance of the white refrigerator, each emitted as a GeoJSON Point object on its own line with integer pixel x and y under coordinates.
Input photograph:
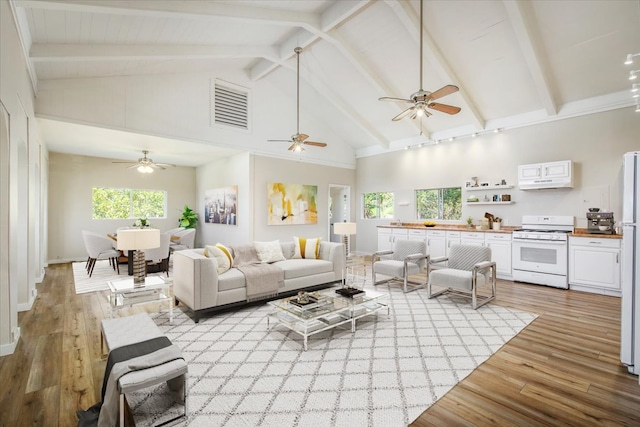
{"type": "Point", "coordinates": [630, 322]}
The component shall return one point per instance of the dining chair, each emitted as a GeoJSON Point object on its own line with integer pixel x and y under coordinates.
{"type": "Point", "coordinates": [99, 247]}
{"type": "Point", "coordinates": [159, 256]}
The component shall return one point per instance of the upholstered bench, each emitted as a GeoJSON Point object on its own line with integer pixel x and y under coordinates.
{"type": "Point", "coordinates": [123, 331]}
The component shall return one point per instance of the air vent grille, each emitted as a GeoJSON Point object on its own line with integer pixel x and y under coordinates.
{"type": "Point", "coordinates": [231, 107]}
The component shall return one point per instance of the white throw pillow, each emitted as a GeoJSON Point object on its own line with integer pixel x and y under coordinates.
{"type": "Point", "coordinates": [306, 248]}
{"type": "Point", "coordinates": [224, 259]}
{"type": "Point", "coordinates": [269, 251]}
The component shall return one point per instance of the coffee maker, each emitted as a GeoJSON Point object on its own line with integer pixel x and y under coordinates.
{"type": "Point", "coordinates": [600, 223]}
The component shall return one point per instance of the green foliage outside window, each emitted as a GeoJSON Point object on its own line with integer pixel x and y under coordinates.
{"type": "Point", "coordinates": [377, 205]}
{"type": "Point", "coordinates": [439, 203]}
{"type": "Point", "coordinates": [125, 203]}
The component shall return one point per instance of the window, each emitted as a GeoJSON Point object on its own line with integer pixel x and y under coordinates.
{"type": "Point", "coordinates": [439, 203]}
{"type": "Point", "coordinates": [125, 203]}
{"type": "Point", "coordinates": [377, 205]}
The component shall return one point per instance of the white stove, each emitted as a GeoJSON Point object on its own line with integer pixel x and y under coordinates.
{"type": "Point", "coordinates": [541, 251]}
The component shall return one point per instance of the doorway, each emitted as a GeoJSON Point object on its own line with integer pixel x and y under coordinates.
{"type": "Point", "coordinates": [339, 208]}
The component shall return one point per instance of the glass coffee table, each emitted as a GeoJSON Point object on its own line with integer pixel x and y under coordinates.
{"type": "Point", "coordinates": [325, 310]}
{"type": "Point", "coordinates": [124, 293]}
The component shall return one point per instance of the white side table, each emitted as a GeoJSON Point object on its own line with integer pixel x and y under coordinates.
{"type": "Point", "coordinates": [155, 289]}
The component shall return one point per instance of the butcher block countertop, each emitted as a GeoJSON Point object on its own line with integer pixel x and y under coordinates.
{"type": "Point", "coordinates": [582, 232]}
{"type": "Point", "coordinates": [420, 226]}
{"type": "Point", "coordinates": [578, 232]}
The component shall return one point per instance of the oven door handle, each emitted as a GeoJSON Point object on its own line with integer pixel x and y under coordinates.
{"type": "Point", "coordinates": [537, 242]}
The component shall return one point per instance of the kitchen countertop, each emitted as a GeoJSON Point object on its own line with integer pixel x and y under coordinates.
{"type": "Point", "coordinates": [420, 226]}
{"type": "Point", "coordinates": [578, 232]}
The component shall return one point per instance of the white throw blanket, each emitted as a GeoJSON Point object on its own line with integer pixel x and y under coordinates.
{"type": "Point", "coordinates": [263, 280]}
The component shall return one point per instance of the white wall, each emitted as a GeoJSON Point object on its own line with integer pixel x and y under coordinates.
{"type": "Point", "coordinates": [236, 170]}
{"type": "Point", "coordinates": [71, 180]}
{"type": "Point", "coordinates": [268, 170]}
{"type": "Point", "coordinates": [178, 106]}
{"type": "Point", "coordinates": [19, 196]}
{"type": "Point", "coordinates": [595, 143]}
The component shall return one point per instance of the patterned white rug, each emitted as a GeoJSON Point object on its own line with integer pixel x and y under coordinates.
{"type": "Point", "coordinates": [243, 373]}
{"type": "Point", "coordinates": [102, 274]}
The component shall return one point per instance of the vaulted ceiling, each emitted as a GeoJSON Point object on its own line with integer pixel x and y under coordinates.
{"type": "Point", "coordinates": [516, 62]}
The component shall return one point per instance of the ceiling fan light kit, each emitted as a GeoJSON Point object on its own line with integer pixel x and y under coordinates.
{"type": "Point", "coordinates": [423, 99]}
{"type": "Point", "coordinates": [145, 164]}
{"type": "Point", "coordinates": [298, 139]}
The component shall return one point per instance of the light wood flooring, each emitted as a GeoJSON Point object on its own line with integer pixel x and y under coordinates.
{"type": "Point", "coordinates": [563, 369]}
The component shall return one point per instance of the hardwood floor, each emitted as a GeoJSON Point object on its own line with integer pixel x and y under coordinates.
{"type": "Point", "coordinates": [563, 369]}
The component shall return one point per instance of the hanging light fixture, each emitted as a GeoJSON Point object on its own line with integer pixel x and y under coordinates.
{"type": "Point", "coordinates": [630, 57]}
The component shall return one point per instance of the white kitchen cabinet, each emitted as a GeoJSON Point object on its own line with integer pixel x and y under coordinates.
{"type": "Point", "coordinates": [500, 245]}
{"type": "Point", "coordinates": [388, 236]}
{"type": "Point", "coordinates": [546, 175]}
{"type": "Point", "coordinates": [384, 239]}
{"type": "Point", "coordinates": [472, 238]}
{"type": "Point", "coordinates": [420, 235]}
{"type": "Point", "coordinates": [436, 243]}
{"type": "Point", "coordinates": [453, 238]}
{"type": "Point", "coordinates": [594, 265]}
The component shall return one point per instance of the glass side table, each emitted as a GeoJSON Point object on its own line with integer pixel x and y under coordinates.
{"type": "Point", "coordinates": [123, 293]}
{"type": "Point", "coordinates": [355, 272]}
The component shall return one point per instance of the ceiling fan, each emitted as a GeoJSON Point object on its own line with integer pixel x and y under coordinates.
{"type": "Point", "coordinates": [298, 139]}
{"type": "Point", "coordinates": [423, 99]}
{"type": "Point", "coordinates": [145, 164]}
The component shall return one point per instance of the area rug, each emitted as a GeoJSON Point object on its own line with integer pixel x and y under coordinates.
{"type": "Point", "coordinates": [103, 273]}
{"type": "Point", "coordinates": [244, 373]}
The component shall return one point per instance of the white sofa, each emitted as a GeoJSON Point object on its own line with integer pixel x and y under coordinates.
{"type": "Point", "coordinates": [197, 285]}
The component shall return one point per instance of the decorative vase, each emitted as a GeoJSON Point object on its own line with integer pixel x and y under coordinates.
{"type": "Point", "coordinates": [497, 225]}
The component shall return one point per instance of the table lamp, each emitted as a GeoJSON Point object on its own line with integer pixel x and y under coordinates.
{"type": "Point", "coordinates": [137, 239]}
{"type": "Point", "coordinates": [346, 229]}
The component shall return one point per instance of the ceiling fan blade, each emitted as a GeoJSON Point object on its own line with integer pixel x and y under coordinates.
{"type": "Point", "coordinates": [301, 137]}
{"type": "Point", "coordinates": [316, 144]}
{"type": "Point", "coordinates": [389, 98]}
{"type": "Point", "coordinates": [449, 109]}
{"type": "Point", "coordinates": [130, 163]}
{"type": "Point", "coordinates": [404, 114]}
{"type": "Point", "coordinates": [444, 91]}
{"type": "Point", "coordinates": [279, 140]}
{"type": "Point", "coordinates": [133, 166]}
{"type": "Point", "coordinates": [293, 146]}
{"type": "Point", "coordinates": [165, 165]}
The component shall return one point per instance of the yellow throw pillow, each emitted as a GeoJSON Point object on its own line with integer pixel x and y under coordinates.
{"type": "Point", "coordinates": [306, 248]}
{"type": "Point", "coordinates": [227, 252]}
{"type": "Point", "coordinates": [220, 256]}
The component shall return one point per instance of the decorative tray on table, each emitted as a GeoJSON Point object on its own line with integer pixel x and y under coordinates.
{"type": "Point", "coordinates": [349, 292]}
{"type": "Point", "coordinates": [311, 302]}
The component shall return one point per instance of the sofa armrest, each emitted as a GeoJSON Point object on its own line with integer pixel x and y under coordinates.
{"type": "Point", "coordinates": [195, 279]}
{"type": "Point", "coordinates": [334, 252]}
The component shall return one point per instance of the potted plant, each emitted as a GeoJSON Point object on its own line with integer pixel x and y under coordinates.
{"type": "Point", "coordinates": [469, 222]}
{"type": "Point", "coordinates": [142, 223]}
{"type": "Point", "coordinates": [189, 218]}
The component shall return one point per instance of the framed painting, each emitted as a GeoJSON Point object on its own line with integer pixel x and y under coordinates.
{"type": "Point", "coordinates": [221, 205]}
{"type": "Point", "coordinates": [290, 204]}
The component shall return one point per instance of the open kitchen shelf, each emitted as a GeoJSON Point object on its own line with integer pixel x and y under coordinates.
{"type": "Point", "coordinates": [489, 203]}
{"type": "Point", "coordinates": [489, 187]}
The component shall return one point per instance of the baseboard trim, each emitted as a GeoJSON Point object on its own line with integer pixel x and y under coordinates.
{"type": "Point", "coordinates": [26, 306]}
{"type": "Point", "coordinates": [10, 348]}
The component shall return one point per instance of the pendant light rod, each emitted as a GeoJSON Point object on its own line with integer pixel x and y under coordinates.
{"type": "Point", "coordinates": [421, 1]}
{"type": "Point", "coordinates": [297, 50]}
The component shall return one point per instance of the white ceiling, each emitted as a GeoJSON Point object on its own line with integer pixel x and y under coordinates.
{"type": "Point", "coordinates": [516, 62]}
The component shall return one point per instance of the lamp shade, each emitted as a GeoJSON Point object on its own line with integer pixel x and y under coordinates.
{"type": "Point", "coordinates": [344, 228]}
{"type": "Point", "coordinates": [138, 238]}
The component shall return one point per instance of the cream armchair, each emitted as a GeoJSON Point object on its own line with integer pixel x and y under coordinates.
{"type": "Point", "coordinates": [469, 267]}
{"type": "Point", "coordinates": [408, 258]}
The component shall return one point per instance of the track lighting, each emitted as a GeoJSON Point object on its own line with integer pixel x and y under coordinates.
{"type": "Point", "coordinates": [632, 74]}
{"type": "Point", "coordinates": [637, 108]}
{"type": "Point", "coordinates": [630, 56]}
{"type": "Point", "coordinates": [473, 135]}
{"type": "Point", "coordinates": [635, 87]}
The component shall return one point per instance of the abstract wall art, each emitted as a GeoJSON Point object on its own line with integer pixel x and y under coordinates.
{"type": "Point", "coordinates": [290, 204]}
